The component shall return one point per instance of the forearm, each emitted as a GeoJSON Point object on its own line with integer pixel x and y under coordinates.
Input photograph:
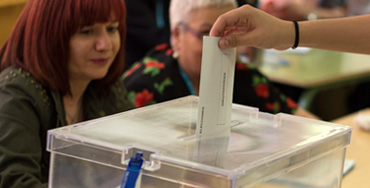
{"type": "Point", "coordinates": [252, 27]}
{"type": "Point", "coordinates": [21, 153]}
{"type": "Point", "coordinates": [347, 34]}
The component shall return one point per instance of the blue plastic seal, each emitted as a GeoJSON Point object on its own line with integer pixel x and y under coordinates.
{"type": "Point", "coordinates": [133, 171]}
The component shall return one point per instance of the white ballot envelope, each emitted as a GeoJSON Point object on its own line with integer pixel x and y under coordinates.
{"type": "Point", "coordinates": [216, 90]}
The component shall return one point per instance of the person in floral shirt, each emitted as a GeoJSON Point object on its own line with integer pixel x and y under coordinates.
{"type": "Point", "coordinates": [167, 73]}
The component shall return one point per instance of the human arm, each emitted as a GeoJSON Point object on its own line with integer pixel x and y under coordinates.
{"type": "Point", "coordinates": [351, 34]}
{"type": "Point", "coordinates": [252, 27]}
{"type": "Point", "coordinates": [21, 160]}
{"type": "Point", "coordinates": [20, 155]}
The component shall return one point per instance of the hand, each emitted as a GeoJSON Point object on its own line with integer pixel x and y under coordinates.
{"type": "Point", "coordinates": [252, 27]}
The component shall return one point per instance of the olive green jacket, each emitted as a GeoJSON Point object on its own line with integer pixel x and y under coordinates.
{"type": "Point", "coordinates": [27, 112]}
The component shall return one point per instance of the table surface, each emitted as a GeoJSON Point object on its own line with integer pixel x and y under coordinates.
{"type": "Point", "coordinates": [308, 68]}
{"type": "Point", "coordinates": [359, 151]}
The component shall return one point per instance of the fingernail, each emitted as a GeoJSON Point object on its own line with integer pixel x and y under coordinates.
{"type": "Point", "coordinates": [224, 42]}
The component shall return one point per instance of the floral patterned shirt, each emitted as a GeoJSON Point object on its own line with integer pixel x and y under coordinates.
{"type": "Point", "coordinates": [157, 78]}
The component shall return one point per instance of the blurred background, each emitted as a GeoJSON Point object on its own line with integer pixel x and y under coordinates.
{"type": "Point", "coordinates": [328, 84]}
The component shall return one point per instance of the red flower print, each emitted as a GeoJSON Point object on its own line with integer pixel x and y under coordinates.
{"type": "Point", "coordinates": [273, 107]}
{"type": "Point", "coordinates": [156, 64]}
{"type": "Point", "coordinates": [161, 47]}
{"type": "Point", "coordinates": [143, 98]}
{"type": "Point", "coordinates": [291, 103]}
{"type": "Point", "coordinates": [241, 66]}
{"type": "Point", "coordinates": [132, 70]}
{"type": "Point", "coordinates": [270, 106]}
{"type": "Point", "coordinates": [262, 90]}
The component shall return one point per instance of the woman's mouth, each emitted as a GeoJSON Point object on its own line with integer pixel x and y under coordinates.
{"type": "Point", "coordinates": [100, 61]}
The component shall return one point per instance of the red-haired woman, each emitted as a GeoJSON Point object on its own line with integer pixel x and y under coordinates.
{"type": "Point", "coordinates": [60, 65]}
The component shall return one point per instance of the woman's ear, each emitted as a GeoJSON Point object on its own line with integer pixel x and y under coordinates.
{"type": "Point", "coordinates": [175, 38]}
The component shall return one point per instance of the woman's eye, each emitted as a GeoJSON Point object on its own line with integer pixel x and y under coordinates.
{"type": "Point", "coordinates": [86, 31]}
{"type": "Point", "coordinates": [112, 29]}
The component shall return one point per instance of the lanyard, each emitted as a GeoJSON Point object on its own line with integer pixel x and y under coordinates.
{"type": "Point", "coordinates": [159, 14]}
{"type": "Point", "coordinates": [187, 81]}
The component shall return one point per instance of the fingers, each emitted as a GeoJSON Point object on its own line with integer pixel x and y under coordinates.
{"type": "Point", "coordinates": [251, 27]}
{"type": "Point", "coordinates": [227, 21]}
{"type": "Point", "coordinates": [231, 26]}
{"type": "Point", "coordinates": [220, 26]}
{"type": "Point", "coordinates": [236, 40]}
{"type": "Point", "coordinates": [229, 41]}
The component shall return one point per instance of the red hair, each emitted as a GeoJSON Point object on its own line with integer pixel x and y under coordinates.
{"type": "Point", "coordinates": [40, 39]}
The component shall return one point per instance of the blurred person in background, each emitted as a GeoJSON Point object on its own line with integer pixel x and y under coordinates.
{"type": "Point", "coordinates": [148, 25]}
{"type": "Point", "coordinates": [171, 71]}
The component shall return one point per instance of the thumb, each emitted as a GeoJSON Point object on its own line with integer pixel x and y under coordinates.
{"type": "Point", "coordinates": [229, 41]}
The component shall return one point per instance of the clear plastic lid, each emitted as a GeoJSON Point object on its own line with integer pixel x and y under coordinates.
{"type": "Point", "coordinates": [166, 133]}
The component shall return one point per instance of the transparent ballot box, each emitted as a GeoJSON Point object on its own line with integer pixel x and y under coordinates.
{"type": "Point", "coordinates": [263, 150]}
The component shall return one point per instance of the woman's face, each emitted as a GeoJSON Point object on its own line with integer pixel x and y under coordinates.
{"type": "Point", "coordinates": [188, 46]}
{"type": "Point", "coordinates": [93, 50]}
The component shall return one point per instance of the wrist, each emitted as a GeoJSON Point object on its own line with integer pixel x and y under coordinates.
{"type": "Point", "coordinates": [287, 36]}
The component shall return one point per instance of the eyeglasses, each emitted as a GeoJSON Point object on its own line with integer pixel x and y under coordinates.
{"type": "Point", "coordinates": [197, 34]}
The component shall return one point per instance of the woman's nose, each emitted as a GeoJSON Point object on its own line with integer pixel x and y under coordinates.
{"type": "Point", "coordinates": [103, 42]}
